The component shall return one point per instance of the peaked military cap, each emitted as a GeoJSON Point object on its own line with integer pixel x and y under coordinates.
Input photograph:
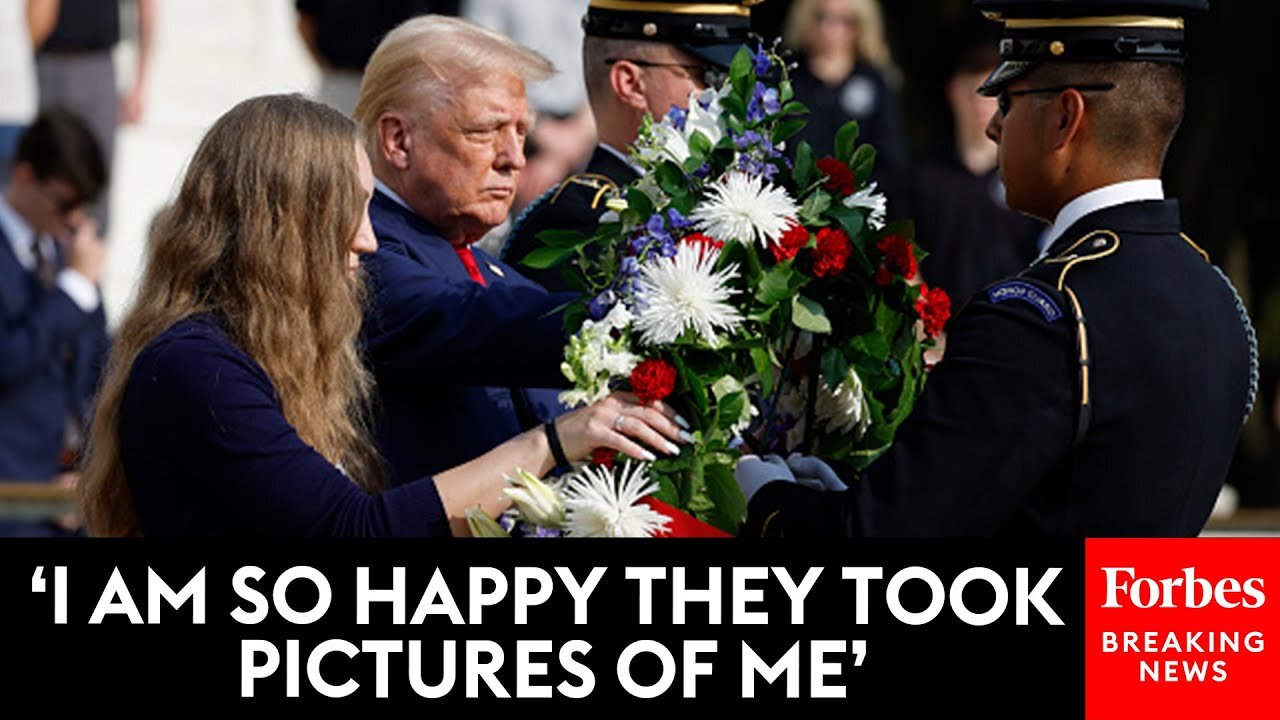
{"type": "Point", "coordinates": [712, 31]}
{"type": "Point", "coordinates": [1038, 31]}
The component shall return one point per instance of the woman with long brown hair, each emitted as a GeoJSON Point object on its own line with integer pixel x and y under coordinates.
{"type": "Point", "coordinates": [236, 401]}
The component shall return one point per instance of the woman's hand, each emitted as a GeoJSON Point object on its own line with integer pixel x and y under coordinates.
{"type": "Point", "coordinates": [622, 423]}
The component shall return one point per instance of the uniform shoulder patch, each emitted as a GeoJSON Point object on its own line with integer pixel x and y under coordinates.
{"type": "Point", "coordinates": [1029, 293]}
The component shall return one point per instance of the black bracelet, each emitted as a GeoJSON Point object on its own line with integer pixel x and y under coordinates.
{"type": "Point", "coordinates": [553, 439]}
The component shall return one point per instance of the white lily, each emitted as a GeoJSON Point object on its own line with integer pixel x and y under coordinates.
{"type": "Point", "coordinates": [537, 501]}
{"type": "Point", "coordinates": [483, 526]}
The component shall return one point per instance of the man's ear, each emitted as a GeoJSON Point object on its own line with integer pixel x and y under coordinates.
{"type": "Point", "coordinates": [1067, 118]}
{"type": "Point", "coordinates": [627, 81]}
{"type": "Point", "coordinates": [395, 140]}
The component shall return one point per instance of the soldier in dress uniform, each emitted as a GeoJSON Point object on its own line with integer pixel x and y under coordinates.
{"type": "Point", "coordinates": [639, 58]}
{"type": "Point", "coordinates": [1101, 392]}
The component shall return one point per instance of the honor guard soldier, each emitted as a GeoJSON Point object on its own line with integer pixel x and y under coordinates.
{"type": "Point", "coordinates": [1100, 392]}
{"type": "Point", "coordinates": [638, 58]}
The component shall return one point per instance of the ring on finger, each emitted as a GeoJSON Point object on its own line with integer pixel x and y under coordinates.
{"type": "Point", "coordinates": [617, 422]}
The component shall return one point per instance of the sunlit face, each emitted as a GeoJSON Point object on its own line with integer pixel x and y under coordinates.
{"type": "Point", "coordinates": [466, 158]}
{"type": "Point", "coordinates": [1018, 138]}
{"type": "Point", "coordinates": [363, 241]}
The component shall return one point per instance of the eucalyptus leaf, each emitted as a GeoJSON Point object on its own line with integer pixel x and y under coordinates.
{"type": "Point", "coordinates": [808, 314]}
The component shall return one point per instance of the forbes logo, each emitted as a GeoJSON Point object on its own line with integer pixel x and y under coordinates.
{"type": "Point", "coordinates": [1187, 591]}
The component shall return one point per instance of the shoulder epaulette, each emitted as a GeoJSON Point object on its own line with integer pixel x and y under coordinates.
{"type": "Point", "coordinates": [592, 181]}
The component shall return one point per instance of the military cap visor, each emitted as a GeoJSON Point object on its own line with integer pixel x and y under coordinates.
{"type": "Point", "coordinates": [1039, 31]}
{"type": "Point", "coordinates": [710, 31]}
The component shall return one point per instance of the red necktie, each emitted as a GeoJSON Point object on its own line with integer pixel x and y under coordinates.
{"type": "Point", "coordinates": [469, 261]}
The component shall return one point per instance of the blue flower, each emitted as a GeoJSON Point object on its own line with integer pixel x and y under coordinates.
{"type": "Point", "coordinates": [678, 221]}
{"type": "Point", "coordinates": [677, 116]}
{"type": "Point", "coordinates": [600, 304]}
{"type": "Point", "coordinates": [763, 102]}
{"type": "Point", "coordinates": [629, 267]}
{"type": "Point", "coordinates": [761, 61]}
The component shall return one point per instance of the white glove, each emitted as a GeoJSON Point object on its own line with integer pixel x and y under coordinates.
{"type": "Point", "coordinates": [812, 472]}
{"type": "Point", "coordinates": [754, 472]}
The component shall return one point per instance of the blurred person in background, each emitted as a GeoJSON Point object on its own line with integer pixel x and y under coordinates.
{"type": "Point", "coordinates": [24, 24]}
{"type": "Point", "coordinates": [845, 72]}
{"type": "Point", "coordinates": [340, 35]}
{"type": "Point", "coordinates": [53, 333]}
{"type": "Point", "coordinates": [76, 69]}
{"type": "Point", "coordinates": [957, 198]}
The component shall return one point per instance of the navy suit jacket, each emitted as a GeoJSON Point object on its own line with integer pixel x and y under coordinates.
{"type": "Point", "coordinates": [208, 452]}
{"type": "Point", "coordinates": [446, 350]}
{"type": "Point", "coordinates": [51, 353]}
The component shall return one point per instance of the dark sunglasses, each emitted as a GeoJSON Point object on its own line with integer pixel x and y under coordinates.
{"type": "Point", "coordinates": [1003, 102]}
{"type": "Point", "coordinates": [708, 75]}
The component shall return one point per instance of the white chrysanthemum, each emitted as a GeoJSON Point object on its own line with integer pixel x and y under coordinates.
{"type": "Point", "coordinates": [746, 209]}
{"type": "Point", "coordinates": [843, 410]}
{"type": "Point", "coordinates": [874, 201]}
{"type": "Point", "coordinates": [601, 506]}
{"type": "Point", "coordinates": [686, 291]}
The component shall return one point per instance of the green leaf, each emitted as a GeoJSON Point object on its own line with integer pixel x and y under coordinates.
{"type": "Point", "coordinates": [873, 344]}
{"type": "Point", "coordinates": [563, 238]}
{"type": "Point", "coordinates": [546, 257]}
{"type": "Point", "coordinates": [639, 202]}
{"type": "Point", "coordinates": [808, 315]}
{"type": "Point", "coordinates": [671, 179]}
{"type": "Point", "coordinates": [730, 504]}
{"type": "Point", "coordinates": [864, 160]}
{"type": "Point", "coordinates": [814, 205]}
{"type": "Point", "coordinates": [699, 144]}
{"type": "Point", "coordinates": [834, 367]}
{"type": "Point", "coordinates": [786, 129]}
{"type": "Point", "coordinates": [697, 388]}
{"type": "Point", "coordinates": [762, 361]}
{"type": "Point", "coordinates": [804, 171]}
{"type": "Point", "coordinates": [795, 108]}
{"type": "Point", "coordinates": [742, 73]}
{"type": "Point", "coordinates": [729, 409]}
{"type": "Point", "coordinates": [846, 138]}
{"type": "Point", "coordinates": [735, 108]}
{"type": "Point", "coordinates": [781, 281]}
{"type": "Point", "coordinates": [785, 93]}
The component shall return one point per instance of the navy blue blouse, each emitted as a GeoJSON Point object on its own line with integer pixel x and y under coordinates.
{"type": "Point", "coordinates": [207, 451]}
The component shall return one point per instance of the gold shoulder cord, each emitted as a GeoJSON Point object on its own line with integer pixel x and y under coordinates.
{"type": "Point", "coordinates": [600, 183]}
{"type": "Point", "coordinates": [1069, 259]}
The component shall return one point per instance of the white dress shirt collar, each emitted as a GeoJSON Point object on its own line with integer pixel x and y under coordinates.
{"type": "Point", "coordinates": [1095, 200]}
{"type": "Point", "coordinates": [20, 234]}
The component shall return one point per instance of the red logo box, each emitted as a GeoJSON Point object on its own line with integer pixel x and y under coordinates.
{"type": "Point", "coordinates": [1182, 628]}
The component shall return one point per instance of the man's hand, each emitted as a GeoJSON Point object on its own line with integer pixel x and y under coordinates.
{"type": "Point", "coordinates": [85, 252]}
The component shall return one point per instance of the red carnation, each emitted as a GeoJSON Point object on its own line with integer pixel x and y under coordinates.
{"type": "Point", "coordinates": [793, 238]}
{"type": "Point", "coordinates": [603, 456]}
{"type": "Point", "coordinates": [840, 179]}
{"type": "Point", "coordinates": [833, 250]}
{"type": "Point", "coordinates": [653, 379]}
{"type": "Point", "coordinates": [899, 257]}
{"type": "Point", "coordinates": [884, 278]}
{"type": "Point", "coordinates": [934, 309]}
